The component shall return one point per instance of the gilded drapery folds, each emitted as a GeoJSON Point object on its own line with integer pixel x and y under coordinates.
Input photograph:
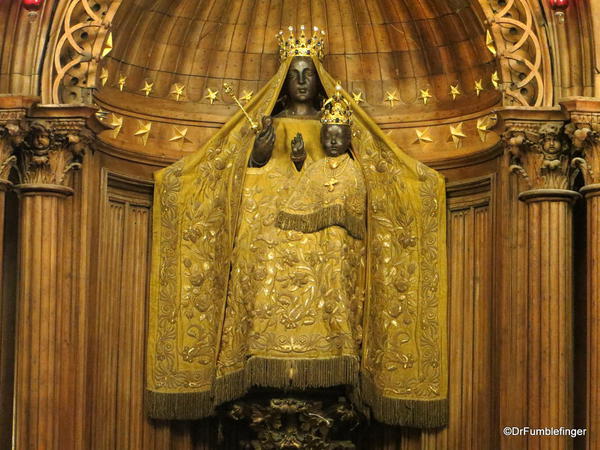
{"type": "Point", "coordinates": [385, 336]}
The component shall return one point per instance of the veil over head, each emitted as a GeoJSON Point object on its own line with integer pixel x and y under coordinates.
{"type": "Point", "coordinates": [403, 376]}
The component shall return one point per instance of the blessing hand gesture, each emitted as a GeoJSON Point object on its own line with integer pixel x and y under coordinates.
{"type": "Point", "coordinates": [263, 144]}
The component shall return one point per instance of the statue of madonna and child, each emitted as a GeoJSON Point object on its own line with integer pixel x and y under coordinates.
{"type": "Point", "coordinates": [303, 254]}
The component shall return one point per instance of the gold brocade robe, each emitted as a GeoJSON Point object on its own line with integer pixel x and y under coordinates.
{"type": "Point", "coordinates": [294, 307]}
{"type": "Point", "coordinates": [231, 295]}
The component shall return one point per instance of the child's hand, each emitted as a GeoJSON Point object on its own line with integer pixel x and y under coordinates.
{"type": "Point", "coordinates": [298, 153]}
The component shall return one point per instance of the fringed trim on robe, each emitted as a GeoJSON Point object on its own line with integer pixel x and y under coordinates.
{"type": "Point", "coordinates": [258, 372]}
{"type": "Point", "coordinates": [287, 374]}
{"type": "Point", "coordinates": [401, 412]}
{"type": "Point", "coordinates": [322, 218]}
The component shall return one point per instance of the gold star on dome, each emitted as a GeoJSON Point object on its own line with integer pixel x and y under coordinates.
{"type": "Point", "coordinates": [180, 134]}
{"type": "Point", "coordinates": [457, 135]}
{"type": "Point", "coordinates": [489, 42]}
{"type": "Point", "coordinates": [101, 114]}
{"type": "Point", "coordinates": [422, 137]}
{"type": "Point", "coordinates": [425, 95]}
{"type": "Point", "coordinates": [495, 79]}
{"type": "Point", "coordinates": [177, 90]}
{"type": "Point", "coordinates": [122, 81]}
{"type": "Point", "coordinates": [143, 130]}
{"type": "Point", "coordinates": [358, 97]}
{"type": "Point", "coordinates": [116, 123]}
{"type": "Point", "coordinates": [108, 46]}
{"type": "Point", "coordinates": [147, 89]}
{"type": "Point", "coordinates": [483, 128]}
{"type": "Point", "coordinates": [104, 75]}
{"type": "Point", "coordinates": [246, 96]}
{"type": "Point", "coordinates": [211, 96]}
{"type": "Point", "coordinates": [391, 97]}
{"type": "Point", "coordinates": [479, 87]}
{"type": "Point", "coordinates": [454, 91]}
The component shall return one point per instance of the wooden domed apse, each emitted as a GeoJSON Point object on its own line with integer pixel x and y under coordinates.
{"type": "Point", "coordinates": [499, 96]}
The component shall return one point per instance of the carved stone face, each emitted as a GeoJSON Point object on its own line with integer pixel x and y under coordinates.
{"type": "Point", "coordinates": [40, 140]}
{"type": "Point", "coordinates": [551, 144]}
{"type": "Point", "coordinates": [335, 139]}
{"type": "Point", "coordinates": [302, 81]}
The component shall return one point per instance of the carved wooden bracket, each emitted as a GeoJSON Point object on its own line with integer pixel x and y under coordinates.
{"type": "Point", "coordinates": [305, 421]}
{"type": "Point", "coordinates": [584, 133]}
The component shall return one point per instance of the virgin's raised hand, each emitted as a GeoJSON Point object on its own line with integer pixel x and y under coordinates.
{"type": "Point", "coordinates": [264, 143]}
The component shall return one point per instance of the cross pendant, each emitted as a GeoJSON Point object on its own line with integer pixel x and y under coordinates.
{"type": "Point", "coordinates": [330, 185]}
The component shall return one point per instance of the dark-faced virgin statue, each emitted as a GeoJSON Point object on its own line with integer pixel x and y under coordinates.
{"type": "Point", "coordinates": [306, 255]}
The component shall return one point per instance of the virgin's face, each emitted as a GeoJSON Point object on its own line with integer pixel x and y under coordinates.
{"type": "Point", "coordinates": [302, 81]}
{"type": "Point", "coordinates": [335, 139]}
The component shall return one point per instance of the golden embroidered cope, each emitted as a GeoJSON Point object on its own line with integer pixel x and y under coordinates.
{"type": "Point", "coordinates": [236, 301]}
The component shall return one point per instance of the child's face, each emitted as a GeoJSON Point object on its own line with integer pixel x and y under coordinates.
{"type": "Point", "coordinates": [335, 139]}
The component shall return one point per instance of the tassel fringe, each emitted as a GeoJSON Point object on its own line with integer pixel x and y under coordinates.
{"type": "Point", "coordinates": [178, 406]}
{"type": "Point", "coordinates": [403, 412]}
{"type": "Point", "coordinates": [322, 218]}
{"type": "Point", "coordinates": [287, 374]}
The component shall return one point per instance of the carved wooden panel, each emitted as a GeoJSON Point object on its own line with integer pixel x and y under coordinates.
{"type": "Point", "coordinates": [117, 330]}
{"type": "Point", "coordinates": [470, 314]}
{"type": "Point", "coordinates": [118, 315]}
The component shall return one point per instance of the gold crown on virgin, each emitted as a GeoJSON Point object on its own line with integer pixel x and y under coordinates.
{"type": "Point", "coordinates": [336, 109]}
{"type": "Point", "coordinates": [301, 45]}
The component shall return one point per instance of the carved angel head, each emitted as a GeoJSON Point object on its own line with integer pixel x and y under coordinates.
{"type": "Point", "coordinates": [39, 136]}
{"type": "Point", "coordinates": [550, 142]}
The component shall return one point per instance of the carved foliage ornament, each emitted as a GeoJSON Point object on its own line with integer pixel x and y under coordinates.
{"type": "Point", "coordinates": [538, 153]}
{"type": "Point", "coordinates": [46, 153]}
{"type": "Point", "coordinates": [9, 134]}
{"type": "Point", "coordinates": [584, 132]}
{"type": "Point", "coordinates": [288, 423]}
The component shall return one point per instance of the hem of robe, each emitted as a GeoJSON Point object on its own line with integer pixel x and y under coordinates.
{"type": "Point", "coordinates": [277, 373]}
{"type": "Point", "coordinates": [400, 411]}
{"type": "Point", "coordinates": [305, 373]}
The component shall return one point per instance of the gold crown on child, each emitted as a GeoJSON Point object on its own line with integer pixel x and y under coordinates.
{"type": "Point", "coordinates": [336, 110]}
{"type": "Point", "coordinates": [301, 45]}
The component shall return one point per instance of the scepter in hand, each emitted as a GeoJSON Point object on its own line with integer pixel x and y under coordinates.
{"type": "Point", "coordinates": [229, 91]}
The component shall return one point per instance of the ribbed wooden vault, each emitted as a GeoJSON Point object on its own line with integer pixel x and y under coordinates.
{"type": "Point", "coordinates": [373, 47]}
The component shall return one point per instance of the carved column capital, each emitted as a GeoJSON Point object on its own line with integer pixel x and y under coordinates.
{"type": "Point", "coordinates": [46, 155]}
{"type": "Point", "coordinates": [13, 109]}
{"type": "Point", "coordinates": [52, 146]}
{"type": "Point", "coordinates": [584, 132]}
{"type": "Point", "coordinates": [9, 135]}
{"type": "Point", "coordinates": [537, 150]}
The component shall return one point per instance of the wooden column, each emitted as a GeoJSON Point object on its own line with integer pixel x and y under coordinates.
{"type": "Point", "coordinates": [536, 153]}
{"type": "Point", "coordinates": [12, 111]}
{"type": "Point", "coordinates": [584, 131]}
{"type": "Point", "coordinates": [46, 350]}
{"type": "Point", "coordinates": [6, 304]}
